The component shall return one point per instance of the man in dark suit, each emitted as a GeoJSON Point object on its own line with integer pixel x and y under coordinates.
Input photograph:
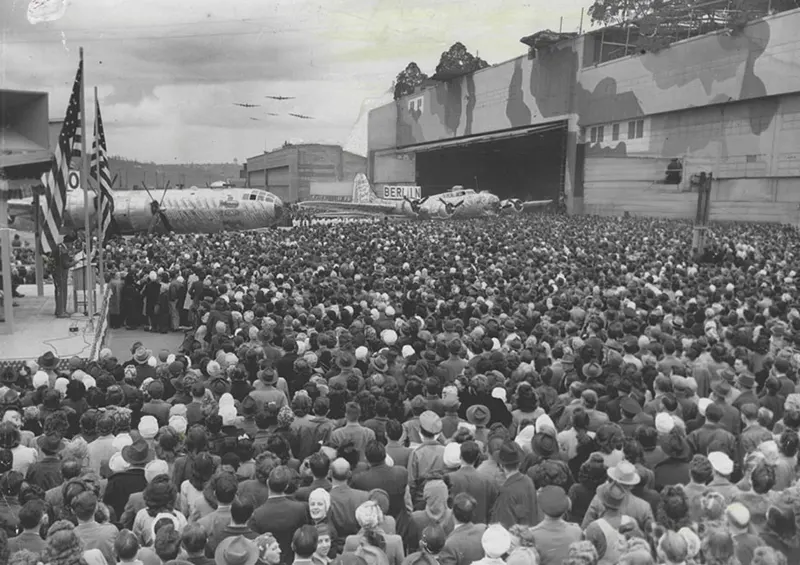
{"type": "Point", "coordinates": [280, 515]}
{"type": "Point", "coordinates": [319, 464]}
{"type": "Point", "coordinates": [344, 500]}
{"type": "Point", "coordinates": [731, 419]}
{"type": "Point", "coordinates": [516, 501]}
{"type": "Point", "coordinates": [121, 485]}
{"type": "Point", "coordinates": [379, 475]}
{"type": "Point", "coordinates": [463, 546]}
{"type": "Point", "coordinates": [468, 480]}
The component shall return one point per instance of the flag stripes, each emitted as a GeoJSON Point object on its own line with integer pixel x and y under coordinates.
{"type": "Point", "coordinates": [53, 202]}
{"type": "Point", "coordinates": [99, 161]}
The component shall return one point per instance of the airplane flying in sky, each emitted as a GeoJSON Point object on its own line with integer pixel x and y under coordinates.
{"type": "Point", "coordinates": [243, 105]}
{"type": "Point", "coordinates": [301, 116]}
{"type": "Point", "coordinates": [280, 97]}
{"type": "Point", "coordinates": [458, 202]}
{"type": "Point", "coordinates": [194, 210]}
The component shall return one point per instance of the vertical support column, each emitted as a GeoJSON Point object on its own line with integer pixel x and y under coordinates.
{"type": "Point", "coordinates": [38, 243]}
{"type": "Point", "coordinates": [5, 256]}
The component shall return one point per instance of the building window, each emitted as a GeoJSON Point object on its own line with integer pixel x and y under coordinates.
{"type": "Point", "coordinates": [597, 134]}
{"type": "Point", "coordinates": [636, 129]}
{"type": "Point", "coordinates": [415, 105]}
{"type": "Point", "coordinates": [615, 132]}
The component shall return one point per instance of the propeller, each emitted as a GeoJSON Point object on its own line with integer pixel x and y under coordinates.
{"type": "Point", "coordinates": [157, 211]}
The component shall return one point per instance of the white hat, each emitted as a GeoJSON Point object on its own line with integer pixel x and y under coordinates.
{"type": "Point", "coordinates": [228, 415]}
{"type": "Point", "coordinates": [496, 541]}
{"type": "Point", "coordinates": [117, 464]}
{"type": "Point", "coordinates": [721, 462]}
{"type": "Point", "coordinates": [452, 455]}
{"type": "Point", "coordinates": [389, 311]}
{"type": "Point", "coordinates": [664, 423]}
{"type": "Point", "coordinates": [121, 441]}
{"type": "Point", "coordinates": [155, 468]}
{"type": "Point", "coordinates": [89, 382]}
{"type": "Point", "coordinates": [178, 423]}
{"type": "Point", "coordinates": [407, 352]}
{"type": "Point", "coordinates": [61, 385]}
{"type": "Point", "coordinates": [499, 393]}
{"type": "Point", "coordinates": [226, 400]}
{"type": "Point", "coordinates": [148, 427]}
{"type": "Point", "coordinates": [40, 378]}
{"type": "Point", "coordinates": [362, 353]}
{"type": "Point", "coordinates": [389, 337]}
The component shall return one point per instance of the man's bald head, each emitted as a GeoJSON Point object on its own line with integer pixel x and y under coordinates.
{"type": "Point", "coordinates": [340, 469]}
{"type": "Point", "coordinates": [70, 468]}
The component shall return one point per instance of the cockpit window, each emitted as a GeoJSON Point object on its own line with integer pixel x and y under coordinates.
{"type": "Point", "coordinates": [253, 196]}
{"type": "Point", "coordinates": [262, 197]}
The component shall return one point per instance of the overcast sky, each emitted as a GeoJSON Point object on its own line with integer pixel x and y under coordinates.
{"type": "Point", "coordinates": [169, 71]}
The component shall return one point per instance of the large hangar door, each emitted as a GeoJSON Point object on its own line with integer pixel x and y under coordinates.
{"type": "Point", "coordinates": [527, 164]}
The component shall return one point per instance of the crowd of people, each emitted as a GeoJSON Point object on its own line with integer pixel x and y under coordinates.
{"type": "Point", "coordinates": [525, 391]}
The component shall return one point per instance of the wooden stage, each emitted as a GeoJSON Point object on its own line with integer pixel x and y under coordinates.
{"type": "Point", "coordinates": [37, 330]}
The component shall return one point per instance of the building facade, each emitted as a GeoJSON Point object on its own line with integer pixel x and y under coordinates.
{"type": "Point", "coordinates": [289, 172]}
{"type": "Point", "coordinates": [626, 135]}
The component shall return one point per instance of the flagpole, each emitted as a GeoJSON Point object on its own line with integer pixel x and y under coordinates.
{"type": "Point", "coordinates": [100, 274]}
{"type": "Point", "coordinates": [88, 282]}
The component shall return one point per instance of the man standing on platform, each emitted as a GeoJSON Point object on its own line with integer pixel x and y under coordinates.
{"type": "Point", "coordinates": [60, 262]}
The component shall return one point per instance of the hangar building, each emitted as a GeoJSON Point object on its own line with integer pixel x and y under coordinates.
{"type": "Point", "coordinates": [289, 172]}
{"type": "Point", "coordinates": [605, 129]}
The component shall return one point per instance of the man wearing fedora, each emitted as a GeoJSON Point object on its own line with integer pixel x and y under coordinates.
{"type": "Point", "coordinates": [746, 384]}
{"type": "Point", "coordinates": [553, 535]}
{"type": "Point", "coordinates": [124, 483]}
{"type": "Point", "coordinates": [264, 390]}
{"type": "Point", "coordinates": [46, 472]}
{"type": "Point", "coordinates": [625, 475]}
{"type": "Point", "coordinates": [237, 550]}
{"type": "Point", "coordinates": [731, 420]}
{"type": "Point", "coordinates": [49, 363]}
{"type": "Point", "coordinates": [516, 501]}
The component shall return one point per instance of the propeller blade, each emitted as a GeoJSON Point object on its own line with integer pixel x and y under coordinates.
{"type": "Point", "coordinates": [168, 183]}
{"type": "Point", "coordinates": [165, 221]}
{"type": "Point", "coordinates": [114, 180]}
{"type": "Point", "coordinates": [148, 193]}
{"type": "Point", "coordinates": [163, 195]}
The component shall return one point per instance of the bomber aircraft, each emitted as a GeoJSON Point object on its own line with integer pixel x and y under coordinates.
{"type": "Point", "coordinates": [457, 202]}
{"type": "Point", "coordinates": [194, 210]}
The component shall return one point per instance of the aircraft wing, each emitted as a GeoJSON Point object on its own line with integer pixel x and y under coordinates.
{"type": "Point", "coordinates": [532, 204]}
{"type": "Point", "coordinates": [364, 207]}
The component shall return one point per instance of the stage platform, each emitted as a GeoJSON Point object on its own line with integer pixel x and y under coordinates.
{"type": "Point", "coordinates": [37, 330]}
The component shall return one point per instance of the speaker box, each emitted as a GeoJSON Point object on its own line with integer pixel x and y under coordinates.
{"type": "Point", "coordinates": [24, 129]}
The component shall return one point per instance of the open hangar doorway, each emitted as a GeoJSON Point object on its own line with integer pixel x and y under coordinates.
{"type": "Point", "coordinates": [527, 164]}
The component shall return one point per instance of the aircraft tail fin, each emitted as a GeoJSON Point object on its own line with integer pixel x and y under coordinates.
{"type": "Point", "coordinates": [362, 191]}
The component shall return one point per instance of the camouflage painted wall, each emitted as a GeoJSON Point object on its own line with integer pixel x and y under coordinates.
{"type": "Point", "coordinates": [711, 69]}
{"type": "Point", "coordinates": [752, 147]}
{"type": "Point", "coordinates": [517, 93]}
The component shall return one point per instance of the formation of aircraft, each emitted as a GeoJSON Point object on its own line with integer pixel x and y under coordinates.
{"type": "Point", "coordinates": [456, 203]}
{"type": "Point", "coordinates": [194, 210]}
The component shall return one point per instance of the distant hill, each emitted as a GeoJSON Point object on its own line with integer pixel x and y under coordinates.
{"type": "Point", "coordinates": [133, 174]}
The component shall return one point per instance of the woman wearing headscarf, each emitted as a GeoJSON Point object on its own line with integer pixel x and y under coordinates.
{"type": "Point", "coordinates": [523, 547]}
{"type": "Point", "coordinates": [610, 440]}
{"type": "Point", "coordinates": [389, 525]}
{"type": "Point", "coordinates": [269, 550]}
{"type": "Point", "coordinates": [64, 547]}
{"type": "Point", "coordinates": [369, 518]}
{"type": "Point", "coordinates": [436, 512]}
{"type": "Point", "coordinates": [160, 496]}
{"type": "Point", "coordinates": [430, 545]}
{"type": "Point", "coordinates": [319, 505]}
{"type": "Point", "coordinates": [592, 474]}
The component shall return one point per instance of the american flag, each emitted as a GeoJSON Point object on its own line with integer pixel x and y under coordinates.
{"type": "Point", "coordinates": [105, 202]}
{"type": "Point", "coordinates": [53, 201]}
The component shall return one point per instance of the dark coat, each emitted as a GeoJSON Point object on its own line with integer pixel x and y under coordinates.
{"type": "Point", "coordinates": [516, 502]}
{"type": "Point", "coordinates": [120, 486]}
{"type": "Point", "coordinates": [463, 546]}
{"type": "Point", "coordinates": [281, 517]}
{"type": "Point", "coordinates": [391, 479]}
{"type": "Point", "coordinates": [482, 488]}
